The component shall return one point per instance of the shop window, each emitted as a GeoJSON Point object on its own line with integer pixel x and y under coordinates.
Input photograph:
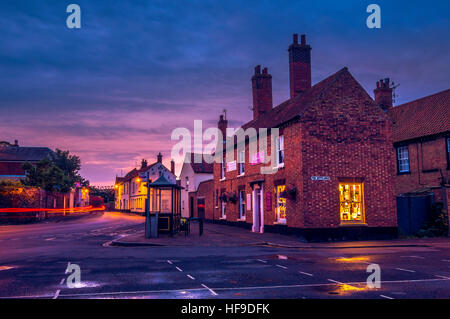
{"type": "Point", "coordinates": [403, 159]}
{"type": "Point", "coordinates": [351, 202]}
{"type": "Point", "coordinates": [280, 204]}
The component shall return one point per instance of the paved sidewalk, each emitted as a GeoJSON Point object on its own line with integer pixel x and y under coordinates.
{"type": "Point", "coordinates": [226, 236]}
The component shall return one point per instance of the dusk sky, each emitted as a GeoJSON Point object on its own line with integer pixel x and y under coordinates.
{"type": "Point", "coordinates": [113, 91]}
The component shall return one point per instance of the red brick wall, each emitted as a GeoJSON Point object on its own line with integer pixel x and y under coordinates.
{"type": "Point", "coordinates": [346, 136]}
{"type": "Point", "coordinates": [426, 159]}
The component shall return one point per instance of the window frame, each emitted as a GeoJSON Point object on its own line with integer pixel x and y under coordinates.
{"type": "Point", "coordinates": [241, 163]}
{"type": "Point", "coordinates": [361, 202]}
{"type": "Point", "coordinates": [242, 204]}
{"type": "Point", "coordinates": [277, 206]}
{"type": "Point", "coordinates": [280, 150]}
{"type": "Point", "coordinates": [397, 153]}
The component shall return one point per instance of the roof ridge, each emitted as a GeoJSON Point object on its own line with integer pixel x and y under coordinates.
{"type": "Point", "coordinates": [422, 98]}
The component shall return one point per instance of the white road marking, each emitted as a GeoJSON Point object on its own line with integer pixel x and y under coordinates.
{"type": "Point", "coordinates": [223, 288]}
{"type": "Point", "coordinates": [56, 294]}
{"type": "Point", "coordinates": [212, 291]}
{"type": "Point", "coordinates": [169, 262]}
{"type": "Point", "coordinates": [407, 270]}
{"type": "Point", "coordinates": [443, 277]}
{"type": "Point", "coordinates": [419, 257]}
{"type": "Point", "coordinates": [263, 261]}
{"type": "Point", "coordinates": [178, 268]}
{"type": "Point", "coordinates": [62, 281]}
{"type": "Point", "coordinates": [52, 238]}
{"type": "Point", "coordinates": [189, 276]}
{"type": "Point", "coordinates": [336, 282]}
{"type": "Point", "coordinates": [281, 266]}
{"type": "Point", "coordinates": [446, 260]}
{"type": "Point", "coordinates": [386, 297]}
{"type": "Point", "coordinates": [305, 273]}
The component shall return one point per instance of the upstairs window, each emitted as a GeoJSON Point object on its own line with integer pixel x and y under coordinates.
{"type": "Point", "coordinates": [280, 150]}
{"type": "Point", "coordinates": [403, 159]}
{"type": "Point", "coordinates": [241, 162]}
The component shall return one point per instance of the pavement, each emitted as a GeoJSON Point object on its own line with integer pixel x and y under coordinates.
{"type": "Point", "coordinates": [226, 262]}
{"type": "Point", "coordinates": [218, 235]}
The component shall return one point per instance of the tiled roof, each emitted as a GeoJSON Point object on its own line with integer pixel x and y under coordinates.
{"type": "Point", "coordinates": [24, 154]}
{"type": "Point", "coordinates": [296, 106]}
{"type": "Point", "coordinates": [426, 116]}
{"type": "Point", "coordinates": [134, 173]}
{"type": "Point", "coordinates": [200, 168]}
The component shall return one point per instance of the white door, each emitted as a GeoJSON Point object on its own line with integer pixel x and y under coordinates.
{"type": "Point", "coordinates": [258, 221]}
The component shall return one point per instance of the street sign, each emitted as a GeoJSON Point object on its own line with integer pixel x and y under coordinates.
{"type": "Point", "coordinates": [320, 178]}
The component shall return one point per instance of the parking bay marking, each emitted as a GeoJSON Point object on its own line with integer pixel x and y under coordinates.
{"type": "Point", "coordinates": [407, 270]}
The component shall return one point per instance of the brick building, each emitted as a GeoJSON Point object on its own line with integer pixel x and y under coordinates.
{"type": "Point", "coordinates": [421, 133]}
{"type": "Point", "coordinates": [334, 160]}
{"type": "Point", "coordinates": [13, 156]}
{"type": "Point", "coordinates": [202, 199]}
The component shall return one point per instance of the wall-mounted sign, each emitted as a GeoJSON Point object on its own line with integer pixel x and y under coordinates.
{"type": "Point", "coordinates": [257, 158]}
{"type": "Point", "coordinates": [320, 178]}
{"type": "Point", "coordinates": [268, 200]}
{"type": "Point", "coordinates": [231, 166]}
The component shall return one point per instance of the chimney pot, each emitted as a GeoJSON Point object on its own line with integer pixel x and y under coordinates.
{"type": "Point", "coordinates": [264, 71]}
{"type": "Point", "coordinates": [295, 38]}
{"type": "Point", "coordinates": [303, 39]}
{"type": "Point", "coordinates": [159, 157]}
{"type": "Point", "coordinates": [258, 69]}
{"type": "Point", "coordinates": [16, 143]}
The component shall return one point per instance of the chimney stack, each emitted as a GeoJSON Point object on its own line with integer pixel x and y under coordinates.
{"type": "Point", "coordinates": [383, 94]}
{"type": "Point", "coordinates": [143, 164]}
{"type": "Point", "coordinates": [222, 125]}
{"type": "Point", "coordinates": [16, 143]}
{"type": "Point", "coordinates": [159, 157]}
{"type": "Point", "coordinates": [172, 166]}
{"type": "Point", "coordinates": [299, 66]}
{"type": "Point", "coordinates": [262, 92]}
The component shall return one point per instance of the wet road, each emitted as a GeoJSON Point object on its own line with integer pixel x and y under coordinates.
{"type": "Point", "coordinates": [33, 260]}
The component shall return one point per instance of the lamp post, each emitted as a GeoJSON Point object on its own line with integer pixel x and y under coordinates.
{"type": "Point", "coordinates": [147, 212]}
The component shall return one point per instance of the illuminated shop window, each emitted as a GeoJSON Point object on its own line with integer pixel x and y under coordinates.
{"type": "Point", "coordinates": [280, 208]}
{"type": "Point", "coordinates": [351, 202]}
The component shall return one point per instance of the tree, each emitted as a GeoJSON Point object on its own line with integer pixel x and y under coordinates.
{"type": "Point", "coordinates": [58, 173]}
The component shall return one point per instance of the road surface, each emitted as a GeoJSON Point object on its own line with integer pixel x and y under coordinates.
{"type": "Point", "coordinates": [34, 258]}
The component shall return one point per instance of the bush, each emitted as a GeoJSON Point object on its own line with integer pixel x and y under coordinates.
{"type": "Point", "coordinates": [96, 201]}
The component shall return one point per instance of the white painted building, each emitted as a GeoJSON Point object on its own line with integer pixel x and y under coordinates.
{"type": "Point", "coordinates": [131, 190]}
{"type": "Point", "coordinates": [191, 175]}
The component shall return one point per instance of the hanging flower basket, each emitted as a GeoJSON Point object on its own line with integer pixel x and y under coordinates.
{"type": "Point", "coordinates": [223, 198]}
{"type": "Point", "coordinates": [232, 197]}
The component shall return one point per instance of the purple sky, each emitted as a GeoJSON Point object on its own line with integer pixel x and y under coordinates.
{"type": "Point", "coordinates": [113, 91]}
